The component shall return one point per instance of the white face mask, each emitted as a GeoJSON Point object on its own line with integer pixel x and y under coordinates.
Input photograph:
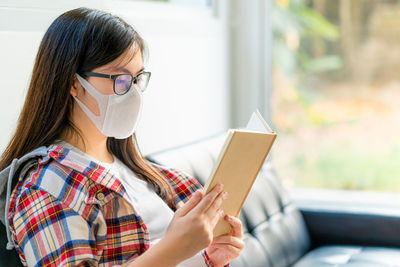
{"type": "Point", "coordinates": [119, 114]}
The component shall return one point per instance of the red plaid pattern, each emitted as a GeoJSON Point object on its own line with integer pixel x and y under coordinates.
{"type": "Point", "coordinates": [64, 212]}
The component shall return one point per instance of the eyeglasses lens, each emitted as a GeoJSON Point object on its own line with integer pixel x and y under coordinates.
{"type": "Point", "coordinates": [142, 81]}
{"type": "Point", "coordinates": [122, 84]}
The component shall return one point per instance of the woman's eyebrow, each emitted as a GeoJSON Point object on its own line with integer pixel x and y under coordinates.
{"type": "Point", "coordinates": [127, 71]}
{"type": "Point", "coordinates": [141, 69]}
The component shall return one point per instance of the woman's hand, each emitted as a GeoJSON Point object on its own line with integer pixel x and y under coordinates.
{"type": "Point", "coordinates": [225, 248]}
{"type": "Point", "coordinates": [191, 228]}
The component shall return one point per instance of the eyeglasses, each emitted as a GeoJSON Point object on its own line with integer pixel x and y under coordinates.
{"type": "Point", "coordinates": [123, 82]}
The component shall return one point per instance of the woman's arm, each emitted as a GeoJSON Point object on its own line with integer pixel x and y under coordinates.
{"type": "Point", "coordinates": [160, 254]}
{"type": "Point", "coordinates": [49, 233]}
{"type": "Point", "coordinates": [184, 186]}
{"type": "Point", "coordinates": [190, 231]}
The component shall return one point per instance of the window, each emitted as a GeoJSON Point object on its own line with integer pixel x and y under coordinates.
{"type": "Point", "coordinates": [335, 102]}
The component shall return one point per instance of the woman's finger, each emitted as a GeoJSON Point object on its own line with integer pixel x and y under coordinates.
{"type": "Point", "coordinates": [190, 204]}
{"type": "Point", "coordinates": [228, 240]}
{"type": "Point", "coordinates": [231, 249]}
{"type": "Point", "coordinates": [215, 217]}
{"type": "Point", "coordinates": [215, 209]}
{"type": "Point", "coordinates": [208, 199]}
{"type": "Point", "coordinates": [236, 226]}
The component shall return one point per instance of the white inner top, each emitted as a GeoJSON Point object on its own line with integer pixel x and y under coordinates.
{"type": "Point", "coordinates": [152, 209]}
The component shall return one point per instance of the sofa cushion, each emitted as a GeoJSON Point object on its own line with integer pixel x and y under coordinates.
{"type": "Point", "coordinates": [330, 256]}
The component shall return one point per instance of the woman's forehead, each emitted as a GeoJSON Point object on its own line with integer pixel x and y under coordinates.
{"type": "Point", "coordinates": [131, 57]}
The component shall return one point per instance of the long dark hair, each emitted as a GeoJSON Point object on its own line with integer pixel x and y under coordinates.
{"type": "Point", "coordinates": [78, 41]}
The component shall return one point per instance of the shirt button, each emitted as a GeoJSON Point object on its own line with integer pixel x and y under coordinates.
{"type": "Point", "coordinates": [100, 196]}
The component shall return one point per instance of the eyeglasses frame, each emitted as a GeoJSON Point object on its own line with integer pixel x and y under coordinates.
{"type": "Point", "coordinates": [114, 77]}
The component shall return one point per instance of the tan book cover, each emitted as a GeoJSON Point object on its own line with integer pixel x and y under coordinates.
{"type": "Point", "coordinates": [240, 159]}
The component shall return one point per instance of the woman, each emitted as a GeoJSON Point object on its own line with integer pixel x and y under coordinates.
{"type": "Point", "coordinates": [85, 195]}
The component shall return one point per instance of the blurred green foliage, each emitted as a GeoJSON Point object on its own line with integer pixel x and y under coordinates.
{"type": "Point", "coordinates": [297, 28]}
{"type": "Point", "coordinates": [298, 32]}
{"type": "Point", "coordinates": [321, 148]}
{"type": "Point", "coordinates": [348, 166]}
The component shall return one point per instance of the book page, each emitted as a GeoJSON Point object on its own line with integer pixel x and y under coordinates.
{"type": "Point", "coordinates": [258, 124]}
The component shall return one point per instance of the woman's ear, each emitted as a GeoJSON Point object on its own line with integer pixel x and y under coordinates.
{"type": "Point", "coordinates": [75, 87]}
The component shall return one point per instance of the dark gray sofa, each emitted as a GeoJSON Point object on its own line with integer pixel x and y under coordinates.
{"type": "Point", "coordinates": [279, 233]}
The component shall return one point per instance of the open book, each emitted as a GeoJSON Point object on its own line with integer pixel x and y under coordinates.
{"type": "Point", "coordinates": [237, 166]}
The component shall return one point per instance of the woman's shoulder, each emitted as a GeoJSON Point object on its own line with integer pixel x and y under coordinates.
{"type": "Point", "coordinates": [57, 175]}
{"type": "Point", "coordinates": [60, 181]}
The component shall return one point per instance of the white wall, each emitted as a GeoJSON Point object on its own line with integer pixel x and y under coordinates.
{"type": "Point", "coordinates": [187, 98]}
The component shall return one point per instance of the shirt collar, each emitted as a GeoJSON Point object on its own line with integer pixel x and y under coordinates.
{"type": "Point", "coordinates": [84, 165]}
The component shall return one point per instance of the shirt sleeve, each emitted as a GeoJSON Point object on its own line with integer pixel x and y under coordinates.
{"type": "Point", "coordinates": [182, 184]}
{"type": "Point", "coordinates": [49, 233]}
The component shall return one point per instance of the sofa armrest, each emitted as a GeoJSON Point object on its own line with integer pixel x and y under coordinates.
{"type": "Point", "coordinates": [350, 217]}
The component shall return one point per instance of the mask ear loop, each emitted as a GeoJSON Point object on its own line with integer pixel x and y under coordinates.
{"type": "Point", "coordinates": [88, 87]}
{"type": "Point", "coordinates": [100, 98]}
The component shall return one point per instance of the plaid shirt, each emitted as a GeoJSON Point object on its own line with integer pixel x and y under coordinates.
{"type": "Point", "coordinates": [68, 212]}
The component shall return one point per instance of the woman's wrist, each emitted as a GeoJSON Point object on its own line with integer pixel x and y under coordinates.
{"type": "Point", "coordinates": [209, 262]}
{"type": "Point", "coordinates": [207, 259]}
